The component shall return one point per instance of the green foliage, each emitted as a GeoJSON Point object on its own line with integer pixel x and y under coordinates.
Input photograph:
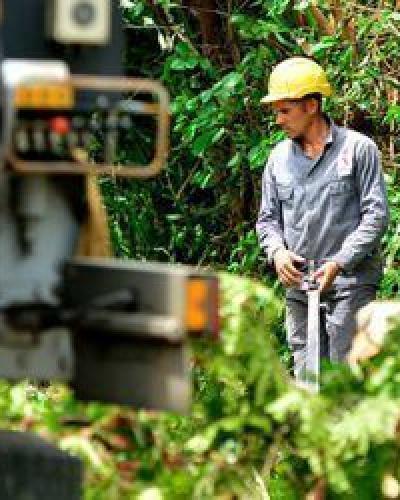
{"type": "Point", "coordinates": [391, 279]}
{"type": "Point", "coordinates": [247, 421]}
{"type": "Point", "coordinates": [251, 431]}
{"type": "Point", "coordinates": [202, 209]}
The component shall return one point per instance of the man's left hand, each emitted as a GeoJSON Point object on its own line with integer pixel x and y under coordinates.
{"type": "Point", "coordinates": [326, 275]}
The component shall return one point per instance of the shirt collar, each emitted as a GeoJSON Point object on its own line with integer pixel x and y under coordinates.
{"type": "Point", "coordinates": [330, 138]}
{"type": "Point", "coordinates": [333, 131]}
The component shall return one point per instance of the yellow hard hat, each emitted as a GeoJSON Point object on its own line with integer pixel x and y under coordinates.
{"type": "Point", "coordinates": [294, 78]}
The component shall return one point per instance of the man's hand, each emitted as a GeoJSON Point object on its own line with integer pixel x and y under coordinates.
{"type": "Point", "coordinates": [284, 264]}
{"type": "Point", "coordinates": [326, 275]}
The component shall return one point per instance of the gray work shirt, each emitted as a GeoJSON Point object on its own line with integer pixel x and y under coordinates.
{"type": "Point", "coordinates": [333, 207]}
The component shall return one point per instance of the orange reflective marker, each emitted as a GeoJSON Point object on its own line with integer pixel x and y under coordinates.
{"type": "Point", "coordinates": [45, 96]}
{"type": "Point", "coordinates": [197, 305]}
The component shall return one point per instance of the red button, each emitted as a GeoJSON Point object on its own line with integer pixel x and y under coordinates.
{"type": "Point", "coordinates": [60, 125]}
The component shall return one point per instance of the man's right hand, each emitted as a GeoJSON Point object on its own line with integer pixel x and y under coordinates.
{"type": "Point", "coordinates": [285, 261]}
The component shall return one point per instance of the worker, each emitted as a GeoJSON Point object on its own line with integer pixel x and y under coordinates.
{"type": "Point", "coordinates": [323, 200]}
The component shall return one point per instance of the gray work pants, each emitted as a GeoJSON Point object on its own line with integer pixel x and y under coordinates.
{"type": "Point", "coordinates": [337, 323]}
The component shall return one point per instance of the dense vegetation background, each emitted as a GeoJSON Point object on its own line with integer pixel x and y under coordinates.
{"type": "Point", "coordinates": [251, 434]}
{"type": "Point", "coordinates": [214, 56]}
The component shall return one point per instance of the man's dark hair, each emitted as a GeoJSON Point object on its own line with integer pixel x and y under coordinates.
{"type": "Point", "coordinates": [317, 96]}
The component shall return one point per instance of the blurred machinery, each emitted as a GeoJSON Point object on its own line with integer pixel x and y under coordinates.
{"type": "Point", "coordinates": [115, 330]}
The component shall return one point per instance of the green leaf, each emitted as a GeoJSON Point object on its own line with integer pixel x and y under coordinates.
{"type": "Point", "coordinates": [326, 42]}
{"type": "Point", "coordinates": [202, 442]}
{"type": "Point", "coordinates": [219, 135]}
{"type": "Point", "coordinates": [278, 7]}
{"type": "Point", "coordinates": [174, 217]}
{"type": "Point", "coordinates": [192, 104]}
{"type": "Point", "coordinates": [205, 140]}
{"type": "Point", "coordinates": [258, 29]}
{"type": "Point", "coordinates": [235, 160]}
{"type": "Point", "coordinates": [182, 64]}
{"type": "Point", "coordinates": [183, 49]}
{"type": "Point", "coordinates": [178, 64]}
{"type": "Point", "coordinates": [393, 113]}
{"type": "Point", "coordinates": [258, 155]}
{"type": "Point", "coordinates": [231, 80]}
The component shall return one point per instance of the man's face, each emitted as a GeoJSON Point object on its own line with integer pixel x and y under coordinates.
{"type": "Point", "coordinates": [294, 117]}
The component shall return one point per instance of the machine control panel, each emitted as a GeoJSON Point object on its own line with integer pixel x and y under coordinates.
{"type": "Point", "coordinates": [60, 135]}
{"type": "Point", "coordinates": [76, 126]}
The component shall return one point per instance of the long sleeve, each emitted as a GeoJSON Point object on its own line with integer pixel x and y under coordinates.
{"type": "Point", "coordinates": [269, 223]}
{"type": "Point", "coordinates": [373, 209]}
